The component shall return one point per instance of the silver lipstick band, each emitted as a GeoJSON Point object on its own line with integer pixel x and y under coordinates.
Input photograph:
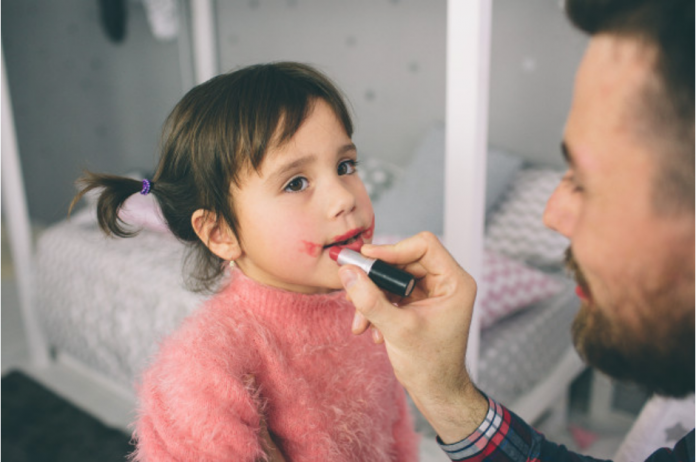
{"type": "Point", "coordinates": [354, 258]}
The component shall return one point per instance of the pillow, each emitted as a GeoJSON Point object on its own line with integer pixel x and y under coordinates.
{"type": "Point", "coordinates": [507, 286]}
{"type": "Point", "coordinates": [416, 201]}
{"type": "Point", "coordinates": [515, 228]}
{"type": "Point", "coordinates": [143, 212]}
{"type": "Point", "coordinates": [501, 167]}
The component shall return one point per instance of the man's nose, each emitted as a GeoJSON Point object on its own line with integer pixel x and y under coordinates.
{"type": "Point", "coordinates": [560, 212]}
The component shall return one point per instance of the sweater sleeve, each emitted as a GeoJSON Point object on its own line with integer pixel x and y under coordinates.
{"type": "Point", "coordinates": [195, 403]}
{"type": "Point", "coordinates": [405, 437]}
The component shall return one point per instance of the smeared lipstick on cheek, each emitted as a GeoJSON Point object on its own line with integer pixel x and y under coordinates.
{"type": "Point", "coordinates": [311, 248]}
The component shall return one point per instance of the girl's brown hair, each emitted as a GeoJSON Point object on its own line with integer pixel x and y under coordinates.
{"type": "Point", "coordinates": [218, 129]}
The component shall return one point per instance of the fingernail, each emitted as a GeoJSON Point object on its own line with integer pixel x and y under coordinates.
{"type": "Point", "coordinates": [357, 321]}
{"type": "Point", "coordinates": [348, 278]}
{"type": "Point", "coordinates": [376, 335]}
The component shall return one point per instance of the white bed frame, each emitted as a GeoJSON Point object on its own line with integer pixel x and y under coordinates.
{"type": "Point", "coordinates": [468, 44]}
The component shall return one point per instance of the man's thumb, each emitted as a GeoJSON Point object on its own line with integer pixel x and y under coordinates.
{"type": "Point", "coordinates": [367, 298]}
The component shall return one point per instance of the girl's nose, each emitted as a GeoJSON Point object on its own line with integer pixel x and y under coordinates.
{"type": "Point", "coordinates": [561, 210]}
{"type": "Point", "coordinates": [340, 199]}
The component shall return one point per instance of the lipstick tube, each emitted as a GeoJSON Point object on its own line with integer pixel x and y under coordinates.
{"type": "Point", "coordinates": [385, 276]}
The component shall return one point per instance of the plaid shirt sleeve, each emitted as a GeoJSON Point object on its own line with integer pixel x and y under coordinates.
{"type": "Point", "coordinates": [505, 437]}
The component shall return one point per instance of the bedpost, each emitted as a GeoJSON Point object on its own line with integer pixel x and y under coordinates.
{"type": "Point", "coordinates": [19, 228]}
{"type": "Point", "coordinates": [203, 32]}
{"type": "Point", "coordinates": [468, 48]}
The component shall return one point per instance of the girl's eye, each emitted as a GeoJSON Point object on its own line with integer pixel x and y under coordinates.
{"type": "Point", "coordinates": [347, 167]}
{"type": "Point", "coordinates": [297, 184]}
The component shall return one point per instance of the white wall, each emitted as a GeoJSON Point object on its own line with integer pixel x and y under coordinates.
{"type": "Point", "coordinates": [388, 57]}
{"type": "Point", "coordinates": [534, 55]}
{"type": "Point", "coordinates": [82, 101]}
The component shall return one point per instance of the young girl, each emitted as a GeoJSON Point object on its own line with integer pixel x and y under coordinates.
{"type": "Point", "coordinates": [258, 174]}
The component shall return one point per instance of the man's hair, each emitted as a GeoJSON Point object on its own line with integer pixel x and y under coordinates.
{"type": "Point", "coordinates": [668, 27]}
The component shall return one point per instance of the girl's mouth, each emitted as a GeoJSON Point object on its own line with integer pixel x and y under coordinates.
{"type": "Point", "coordinates": [354, 242]}
{"type": "Point", "coordinates": [346, 242]}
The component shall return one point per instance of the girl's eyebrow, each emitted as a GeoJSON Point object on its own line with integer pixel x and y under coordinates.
{"type": "Point", "coordinates": [347, 148]}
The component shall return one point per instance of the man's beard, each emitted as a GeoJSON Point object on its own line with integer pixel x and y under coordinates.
{"type": "Point", "coordinates": [660, 359]}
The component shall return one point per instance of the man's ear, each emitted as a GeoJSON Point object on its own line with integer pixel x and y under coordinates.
{"type": "Point", "coordinates": [216, 235]}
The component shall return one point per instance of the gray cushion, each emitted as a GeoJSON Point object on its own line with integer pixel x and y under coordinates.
{"type": "Point", "coordinates": [415, 202]}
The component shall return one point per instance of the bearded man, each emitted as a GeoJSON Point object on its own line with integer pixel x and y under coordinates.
{"type": "Point", "coordinates": [626, 203]}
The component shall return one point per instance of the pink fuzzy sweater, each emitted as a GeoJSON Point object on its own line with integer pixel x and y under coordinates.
{"type": "Point", "coordinates": [325, 393]}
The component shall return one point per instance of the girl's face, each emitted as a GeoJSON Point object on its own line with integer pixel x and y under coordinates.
{"type": "Point", "coordinates": [305, 198]}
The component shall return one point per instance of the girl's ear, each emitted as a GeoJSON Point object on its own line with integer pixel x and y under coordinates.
{"type": "Point", "coordinates": [216, 235]}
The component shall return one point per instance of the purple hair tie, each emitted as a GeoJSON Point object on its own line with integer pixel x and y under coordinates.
{"type": "Point", "coordinates": [147, 185]}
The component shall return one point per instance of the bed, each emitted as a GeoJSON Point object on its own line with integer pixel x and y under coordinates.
{"type": "Point", "coordinates": [105, 303]}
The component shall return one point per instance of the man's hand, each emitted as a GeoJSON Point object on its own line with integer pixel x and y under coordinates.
{"type": "Point", "coordinates": [425, 334]}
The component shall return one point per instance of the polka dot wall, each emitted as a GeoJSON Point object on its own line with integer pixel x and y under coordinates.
{"type": "Point", "coordinates": [387, 56]}
{"type": "Point", "coordinates": [83, 101]}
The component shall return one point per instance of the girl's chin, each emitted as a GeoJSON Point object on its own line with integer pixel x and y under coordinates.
{"type": "Point", "coordinates": [335, 283]}
{"type": "Point", "coordinates": [325, 286]}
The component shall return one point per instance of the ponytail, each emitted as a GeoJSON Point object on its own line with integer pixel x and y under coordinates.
{"type": "Point", "coordinates": [115, 190]}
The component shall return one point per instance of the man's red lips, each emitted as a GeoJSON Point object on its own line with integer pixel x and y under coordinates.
{"type": "Point", "coordinates": [582, 293]}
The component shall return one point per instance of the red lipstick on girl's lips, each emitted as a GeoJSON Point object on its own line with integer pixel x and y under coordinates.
{"type": "Point", "coordinates": [351, 240]}
{"type": "Point", "coordinates": [346, 236]}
